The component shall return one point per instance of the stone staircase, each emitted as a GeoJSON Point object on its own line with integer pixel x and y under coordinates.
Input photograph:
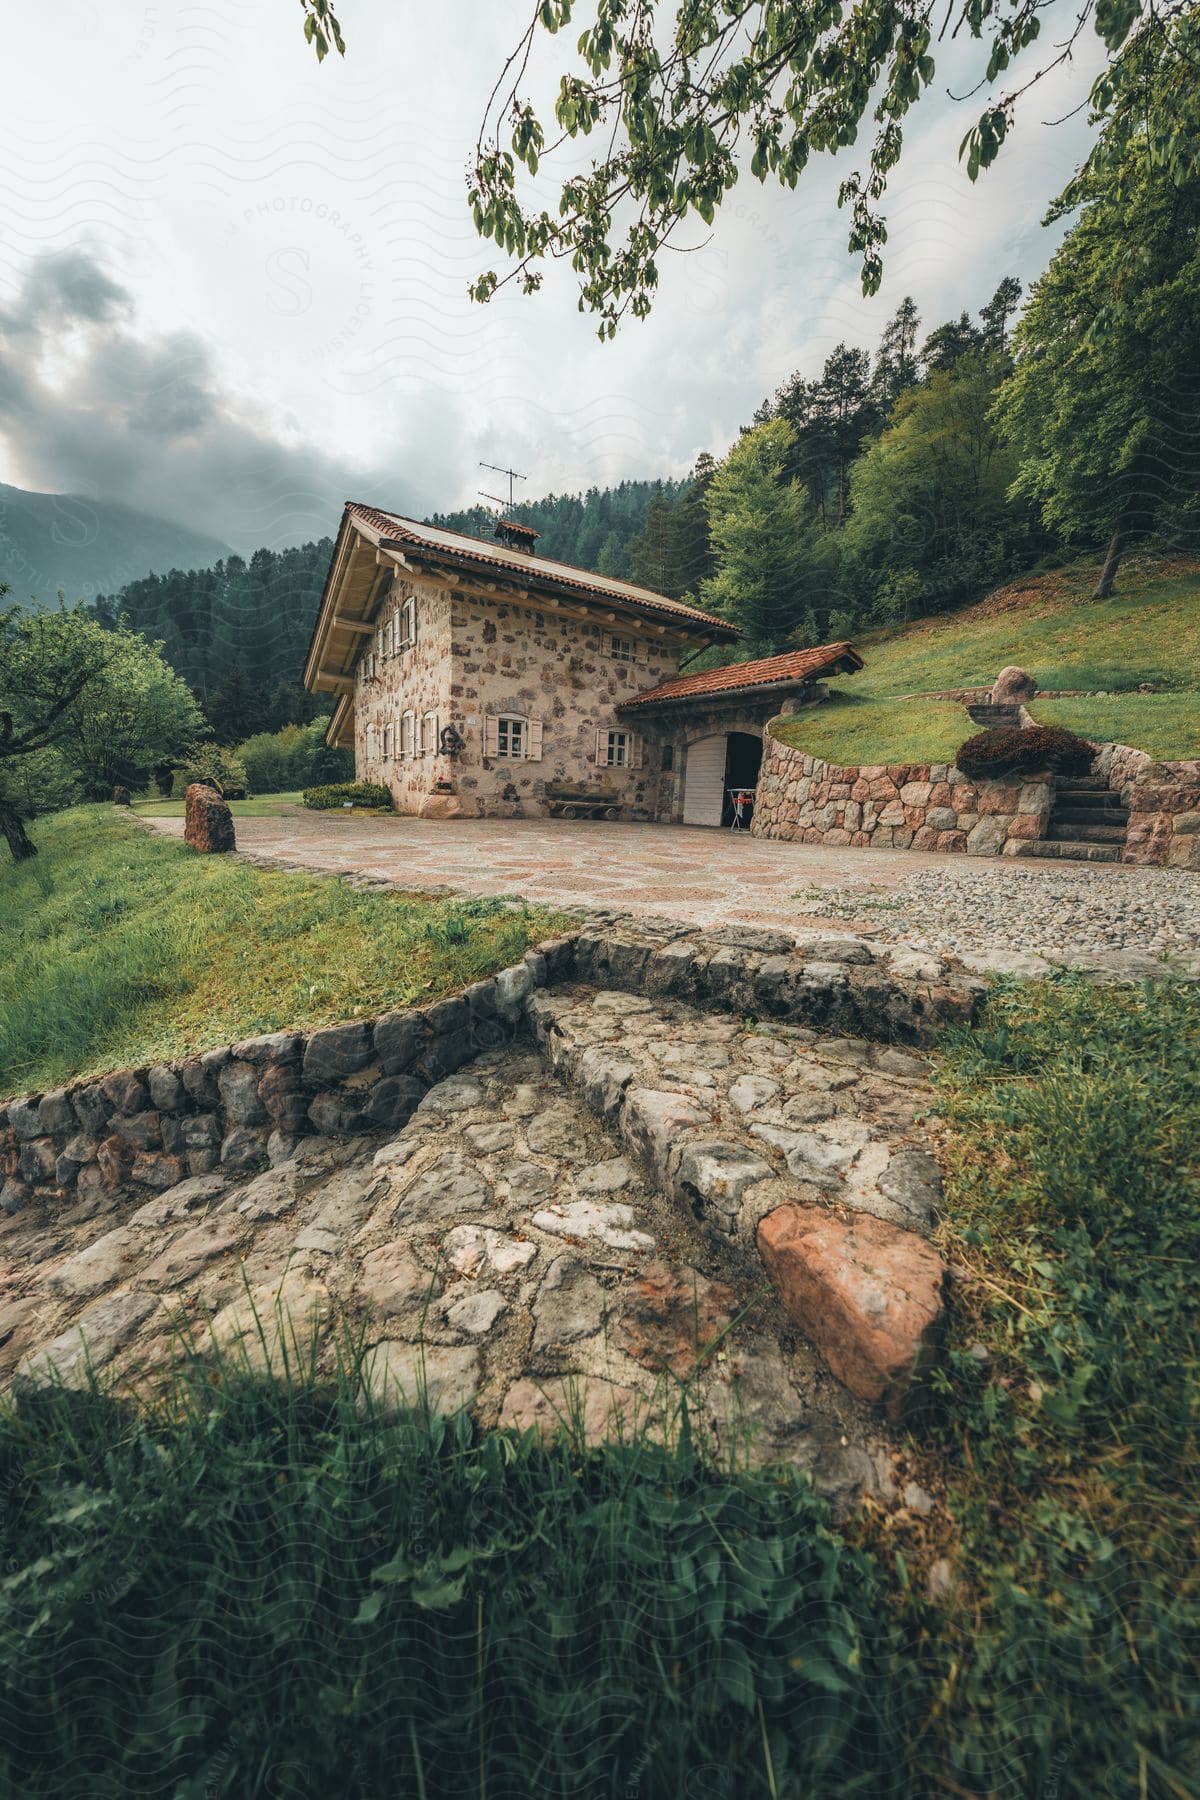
{"type": "Point", "coordinates": [995, 718]}
{"type": "Point", "coordinates": [1087, 823]}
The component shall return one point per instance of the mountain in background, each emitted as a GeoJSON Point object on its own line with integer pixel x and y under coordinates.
{"type": "Point", "coordinates": [88, 547]}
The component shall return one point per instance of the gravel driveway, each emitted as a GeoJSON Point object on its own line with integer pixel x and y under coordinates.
{"type": "Point", "coordinates": [995, 914]}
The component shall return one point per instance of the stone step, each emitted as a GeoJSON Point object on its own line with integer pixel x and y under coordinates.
{"type": "Point", "coordinates": [1089, 799]}
{"type": "Point", "coordinates": [1071, 851]}
{"type": "Point", "coordinates": [791, 1149]}
{"type": "Point", "coordinates": [1102, 817]}
{"type": "Point", "coordinates": [1079, 784]}
{"type": "Point", "coordinates": [995, 718]}
{"type": "Point", "coordinates": [1090, 831]}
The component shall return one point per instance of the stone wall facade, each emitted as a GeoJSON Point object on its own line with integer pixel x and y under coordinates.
{"type": "Point", "coordinates": [244, 1105]}
{"type": "Point", "coordinates": [472, 661]}
{"type": "Point", "coordinates": [900, 806]}
{"type": "Point", "coordinates": [415, 680]}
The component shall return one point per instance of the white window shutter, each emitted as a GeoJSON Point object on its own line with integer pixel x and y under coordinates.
{"type": "Point", "coordinates": [431, 733]}
{"type": "Point", "coordinates": [533, 740]}
{"type": "Point", "coordinates": [491, 735]}
{"type": "Point", "coordinates": [412, 620]}
{"type": "Point", "coordinates": [601, 748]}
{"type": "Point", "coordinates": [635, 750]}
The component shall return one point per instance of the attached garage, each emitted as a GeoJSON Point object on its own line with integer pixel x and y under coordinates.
{"type": "Point", "coordinates": [704, 781]}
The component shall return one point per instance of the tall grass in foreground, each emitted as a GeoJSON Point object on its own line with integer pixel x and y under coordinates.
{"type": "Point", "coordinates": [264, 1589]}
{"type": "Point", "coordinates": [1068, 1438]}
{"type": "Point", "coordinates": [120, 947]}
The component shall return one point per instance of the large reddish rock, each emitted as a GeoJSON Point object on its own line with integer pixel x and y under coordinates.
{"type": "Point", "coordinates": [208, 822]}
{"type": "Point", "coordinates": [867, 1294]}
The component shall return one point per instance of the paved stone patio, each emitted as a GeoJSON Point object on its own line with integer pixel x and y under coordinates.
{"type": "Point", "coordinates": [997, 913]}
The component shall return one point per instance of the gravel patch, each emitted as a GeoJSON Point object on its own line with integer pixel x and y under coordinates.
{"type": "Point", "coordinates": [1008, 917]}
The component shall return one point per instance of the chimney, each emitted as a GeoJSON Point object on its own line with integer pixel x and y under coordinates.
{"type": "Point", "coordinates": [515, 536]}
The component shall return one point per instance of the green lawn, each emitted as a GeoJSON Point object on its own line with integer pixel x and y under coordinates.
{"type": "Point", "coordinates": [119, 947]}
{"type": "Point", "coordinates": [259, 806]}
{"type": "Point", "coordinates": [1148, 633]}
{"type": "Point", "coordinates": [851, 731]}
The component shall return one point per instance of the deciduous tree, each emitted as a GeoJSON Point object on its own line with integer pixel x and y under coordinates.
{"type": "Point", "coordinates": [1103, 405]}
{"type": "Point", "coordinates": [69, 685]}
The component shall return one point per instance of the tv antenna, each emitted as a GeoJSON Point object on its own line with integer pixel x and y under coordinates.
{"type": "Point", "coordinates": [512, 476]}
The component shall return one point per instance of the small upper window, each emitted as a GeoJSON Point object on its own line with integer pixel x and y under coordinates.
{"type": "Point", "coordinates": [668, 756]}
{"type": "Point", "coordinates": [622, 649]}
{"type": "Point", "coordinates": [618, 749]}
{"type": "Point", "coordinates": [510, 737]}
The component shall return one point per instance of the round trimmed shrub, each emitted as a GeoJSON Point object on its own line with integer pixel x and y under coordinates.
{"type": "Point", "coordinates": [996, 755]}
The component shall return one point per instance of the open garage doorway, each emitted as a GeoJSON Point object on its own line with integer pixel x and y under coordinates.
{"type": "Point", "coordinates": [728, 760]}
{"type": "Point", "coordinates": [743, 759]}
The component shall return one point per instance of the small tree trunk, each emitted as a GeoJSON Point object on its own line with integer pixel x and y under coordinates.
{"type": "Point", "coordinates": [13, 827]}
{"type": "Point", "coordinates": [1107, 578]}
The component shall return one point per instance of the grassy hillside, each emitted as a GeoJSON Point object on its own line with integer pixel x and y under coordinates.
{"type": "Point", "coordinates": [118, 947]}
{"type": "Point", "coordinates": [1148, 633]}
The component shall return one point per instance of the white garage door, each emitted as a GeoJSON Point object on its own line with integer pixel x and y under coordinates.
{"type": "Point", "coordinates": [704, 781]}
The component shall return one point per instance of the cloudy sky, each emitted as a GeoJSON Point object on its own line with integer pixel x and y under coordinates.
{"type": "Point", "coordinates": [233, 283]}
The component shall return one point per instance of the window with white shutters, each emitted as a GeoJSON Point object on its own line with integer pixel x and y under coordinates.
{"type": "Point", "coordinates": [388, 734]}
{"type": "Point", "coordinates": [429, 734]}
{"type": "Point", "coordinates": [408, 623]}
{"type": "Point", "coordinates": [625, 649]}
{"type": "Point", "coordinates": [510, 737]}
{"type": "Point", "coordinates": [407, 722]}
{"type": "Point", "coordinates": [619, 749]}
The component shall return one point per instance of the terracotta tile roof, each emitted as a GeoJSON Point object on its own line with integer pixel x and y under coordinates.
{"type": "Point", "coordinates": [769, 671]}
{"type": "Point", "coordinates": [393, 528]}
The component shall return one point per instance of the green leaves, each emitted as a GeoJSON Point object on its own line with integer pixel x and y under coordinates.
{"type": "Point", "coordinates": [321, 28]}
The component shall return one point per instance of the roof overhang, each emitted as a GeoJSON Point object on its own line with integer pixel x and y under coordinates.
{"type": "Point", "coordinates": [358, 574]}
{"type": "Point", "coordinates": [340, 735]}
{"type": "Point", "coordinates": [364, 556]}
{"type": "Point", "coordinates": [713, 699]}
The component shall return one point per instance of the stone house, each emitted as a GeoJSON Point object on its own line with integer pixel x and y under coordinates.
{"type": "Point", "coordinates": [478, 679]}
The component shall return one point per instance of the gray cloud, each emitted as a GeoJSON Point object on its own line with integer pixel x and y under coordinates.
{"type": "Point", "coordinates": [90, 406]}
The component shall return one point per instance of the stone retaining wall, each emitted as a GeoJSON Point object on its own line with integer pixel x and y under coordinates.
{"type": "Point", "coordinates": [900, 806]}
{"type": "Point", "coordinates": [247, 1104]}
{"type": "Point", "coordinates": [1164, 805]}
{"type": "Point", "coordinates": [924, 806]}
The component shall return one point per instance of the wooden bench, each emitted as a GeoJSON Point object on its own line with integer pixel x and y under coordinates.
{"type": "Point", "coordinates": [581, 803]}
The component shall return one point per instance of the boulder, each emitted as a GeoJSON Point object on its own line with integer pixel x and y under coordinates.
{"type": "Point", "coordinates": [867, 1294]}
{"type": "Point", "coordinates": [1013, 687]}
{"type": "Point", "coordinates": [208, 822]}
